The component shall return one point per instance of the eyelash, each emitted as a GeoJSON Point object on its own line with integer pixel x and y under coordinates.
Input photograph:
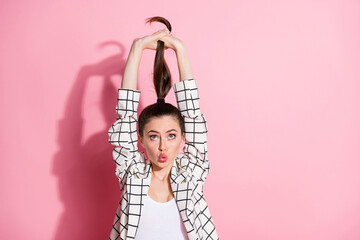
{"type": "Point", "coordinates": [151, 137]}
{"type": "Point", "coordinates": [171, 134]}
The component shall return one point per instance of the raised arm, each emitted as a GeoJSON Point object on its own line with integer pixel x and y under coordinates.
{"type": "Point", "coordinates": [187, 96]}
{"type": "Point", "coordinates": [178, 46]}
{"type": "Point", "coordinates": [184, 66]}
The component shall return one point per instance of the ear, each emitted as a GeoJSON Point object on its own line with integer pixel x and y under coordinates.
{"type": "Point", "coordinates": [183, 141]}
{"type": "Point", "coordinates": [141, 141]}
{"type": "Point", "coordinates": [183, 138]}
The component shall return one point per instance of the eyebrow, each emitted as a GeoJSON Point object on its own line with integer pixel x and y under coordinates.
{"type": "Point", "coordinates": [158, 132]}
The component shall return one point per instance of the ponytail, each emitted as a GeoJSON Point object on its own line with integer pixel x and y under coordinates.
{"type": "Point", "coordinates": [162, 84]}
{"type": "Point", "coordinates": [162, 75]}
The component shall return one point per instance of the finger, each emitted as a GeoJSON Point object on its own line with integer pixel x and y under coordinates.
{"type": "Point", "coordinates": [159, 35]}
{"type": "Point", "coordinates": [162, 31]}
{"type": "Point", "coordinates": [166, 38]}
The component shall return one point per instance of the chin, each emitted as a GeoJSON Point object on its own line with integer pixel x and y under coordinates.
{"type": "Point", "coordinates": [162, 164]}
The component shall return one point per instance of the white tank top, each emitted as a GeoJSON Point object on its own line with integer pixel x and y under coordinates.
{"type": "Point", "coordinates": [160, 221]}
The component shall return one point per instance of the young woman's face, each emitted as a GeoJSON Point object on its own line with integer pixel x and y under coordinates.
{"type": "Point", "coordinates": [162, 140]}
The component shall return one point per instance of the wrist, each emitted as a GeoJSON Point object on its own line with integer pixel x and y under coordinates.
{"type": "Point", "coordinates": [180, 48]}
{"type": "Point", "coordinates": [137, 45]}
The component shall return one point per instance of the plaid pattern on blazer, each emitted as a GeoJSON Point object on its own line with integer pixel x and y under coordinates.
{"type": "Point", "coordinates": [188, 172]}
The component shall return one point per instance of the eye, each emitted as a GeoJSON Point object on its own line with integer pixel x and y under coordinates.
{"type": "Point", "coordinates": [172, 136]}
{"type": "Point", "coordinates": [153, 137]}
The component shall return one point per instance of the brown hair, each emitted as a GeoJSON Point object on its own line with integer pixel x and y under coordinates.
{"type": "Point", "coordinates": [162, 84]}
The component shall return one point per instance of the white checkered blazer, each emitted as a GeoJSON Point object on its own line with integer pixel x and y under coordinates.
{"type": "Point", "coordinates": [188, 172]}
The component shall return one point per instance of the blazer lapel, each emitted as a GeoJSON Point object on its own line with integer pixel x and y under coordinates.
{"type": "Point", "coordinates": [182, 187]}
{"type": "Point", "coordinates": [137, 189]}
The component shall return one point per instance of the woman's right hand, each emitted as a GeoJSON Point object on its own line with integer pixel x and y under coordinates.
{"type": "Point", "coordinates": [150, 41]}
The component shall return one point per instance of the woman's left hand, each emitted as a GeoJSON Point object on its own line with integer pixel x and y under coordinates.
{"type": "Point", "coordinates": [172, 42]}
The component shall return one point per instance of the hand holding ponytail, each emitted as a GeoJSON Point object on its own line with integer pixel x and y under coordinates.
{"type": "Point", "coordinates": [150, 41]}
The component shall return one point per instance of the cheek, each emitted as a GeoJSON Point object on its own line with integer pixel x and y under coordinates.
{"type": "Point", "coordinates": [148, 145]}
{"type": "Point", "coordinates": [175, 145]}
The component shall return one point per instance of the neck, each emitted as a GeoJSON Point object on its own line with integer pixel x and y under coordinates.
{"type": "Point", "coordinates": [161, 174]}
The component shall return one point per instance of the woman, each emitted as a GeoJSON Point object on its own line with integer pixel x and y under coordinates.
{"type": "Point", "coordinates": [161, 193]}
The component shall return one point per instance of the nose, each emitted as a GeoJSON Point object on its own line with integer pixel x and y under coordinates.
{"type": "Point", "coordinates": [162, 145]}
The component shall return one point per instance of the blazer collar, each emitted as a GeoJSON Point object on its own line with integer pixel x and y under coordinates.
{"type": "Point", "coordinates": [179, 173]}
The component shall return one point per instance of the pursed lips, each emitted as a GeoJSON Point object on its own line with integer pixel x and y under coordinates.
{"type": "Point", "coordinates": [163, 157]}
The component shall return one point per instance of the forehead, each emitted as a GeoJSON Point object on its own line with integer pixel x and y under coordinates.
{"type": "Point", "coordinates": [162, 124]}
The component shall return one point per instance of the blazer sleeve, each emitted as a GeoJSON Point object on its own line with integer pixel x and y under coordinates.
{"type": "Point", "coordinates": [195, 149]}
{"type": "Point", "coordinates": [123, 133]}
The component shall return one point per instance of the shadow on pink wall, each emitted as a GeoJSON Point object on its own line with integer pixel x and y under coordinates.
{"type": "Point", "coordinates": [84, 168]}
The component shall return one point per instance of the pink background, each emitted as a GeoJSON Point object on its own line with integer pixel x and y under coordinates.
{"type": "Point", "coordinates": [279, 85]}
